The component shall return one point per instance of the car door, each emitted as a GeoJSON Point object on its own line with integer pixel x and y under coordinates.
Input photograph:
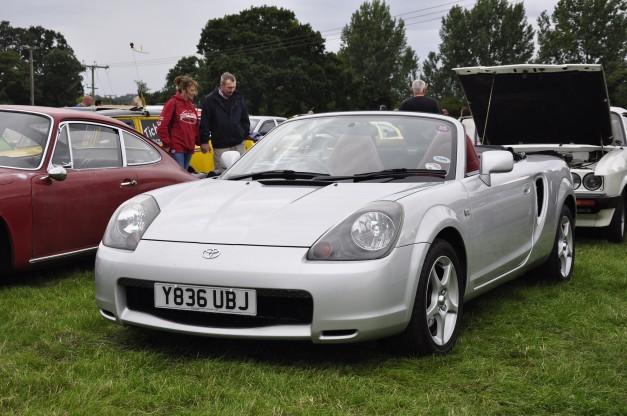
{"type": "Point", "coordinates": [72, 214]}
{"type": "Point", "coordinates": [503, 221]}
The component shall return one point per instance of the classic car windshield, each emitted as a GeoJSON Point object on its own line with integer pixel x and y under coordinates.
{"type": "Point", "coordinates": [354, 144]}
{"type": "Point", "coordinates": [23, 138]}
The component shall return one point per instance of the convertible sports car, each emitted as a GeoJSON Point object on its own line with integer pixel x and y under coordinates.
{"type": "Point", "coordinates": [62, 174]}
{"type": "Point", "coordinates": [562, 110]}
{"type": "Point", "coordinates": [326, 231]}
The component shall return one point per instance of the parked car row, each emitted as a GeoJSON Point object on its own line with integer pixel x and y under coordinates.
{"type": "Point", "coordinates": [335, 228]}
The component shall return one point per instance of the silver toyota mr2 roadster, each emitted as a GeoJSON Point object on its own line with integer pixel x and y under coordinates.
{"type": "Point", "coordinates": [338, 228]}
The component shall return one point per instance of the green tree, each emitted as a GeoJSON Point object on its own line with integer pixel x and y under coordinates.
{"type": "Point", "coordinates": [589, 32]}
{"type": "Point", "coordinates": [375, 52]}
{"type": "Point", "coordinates": [493, 32]}
{"type": "Point", "coordinates": [280, 64]}
{"type": "Point", "coordinates": [14, 88]}
{"type": "Point", "coordinates": [56, 69]}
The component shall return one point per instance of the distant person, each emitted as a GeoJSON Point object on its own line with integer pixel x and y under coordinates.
{"type": "Point", "coordinates": [383, 107]}
{"type": "Point", "coordinates": [136, 103]}
{"type": "Point", "coordinates": [87, 101]}
{"type": "Point", "coordinates": [98, 102]}
{"type": "Point", "coordinates": [178, 125]}
{"type": "Point", "coordinates": [445, 111]}
{"type": "Point", "coordinates": [224, 120]}
{"type": "Point", "coordinates": [420, 102]}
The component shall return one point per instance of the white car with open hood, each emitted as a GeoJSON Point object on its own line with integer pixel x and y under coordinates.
{"type": "Point", "coordinates": [563, 110]}
{"type": "Point", "coordinates": [338, 228]}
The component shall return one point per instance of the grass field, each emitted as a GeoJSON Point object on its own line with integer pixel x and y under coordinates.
{"type": "Point", "coordinates": [531, 347]}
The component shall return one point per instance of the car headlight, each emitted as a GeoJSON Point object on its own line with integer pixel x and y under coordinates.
{"type": "Point", "coordinates": [592, 182]}
{"type": "Point", "coordinates": [576, 181]}
{"type": "Point", "coordinates": [130, 221]}
{"type": "Point", "coordinates": [369, 233]}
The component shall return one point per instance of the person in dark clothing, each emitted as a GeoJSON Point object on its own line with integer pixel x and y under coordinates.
{"type": "Point", "coordinates": [420, 102]}
{"type": "Point", "coordinates": [224, 120]}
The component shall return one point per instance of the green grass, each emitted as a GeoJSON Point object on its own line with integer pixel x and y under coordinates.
{"type": "Point", "coordinates": [530, 347]}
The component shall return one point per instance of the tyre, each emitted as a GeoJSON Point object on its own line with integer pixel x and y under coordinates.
{"type": "Point", "coordinates": [616, 230]}
{"type": "Point", "coordinates": [437, 311]}
{"type": "Point", "coordinates": [561, 262]}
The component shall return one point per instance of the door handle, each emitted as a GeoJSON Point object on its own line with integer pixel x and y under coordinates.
{"type": "Point", "coordinates": [526, 189]}
{"type": "Point", "coordinates": [132, 182]}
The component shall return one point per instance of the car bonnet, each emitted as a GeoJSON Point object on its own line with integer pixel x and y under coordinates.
{"type": "Point", "coordinates": [538, 104]}
{"type": "Point", "coordinates": [250, 213]}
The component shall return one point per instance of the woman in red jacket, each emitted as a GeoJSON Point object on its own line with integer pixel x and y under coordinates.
{"type": "Point", "coordinates": [178, 126]}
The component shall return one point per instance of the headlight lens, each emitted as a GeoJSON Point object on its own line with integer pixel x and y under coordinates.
{"type": "Point", "coordinates": [576, 181]}
{"type": "Point", "coordinates": [592, 182]}
{"type": "Point", "coordinates": [130, 221]}
{"type": "Point", "coordinates": [369, 233]}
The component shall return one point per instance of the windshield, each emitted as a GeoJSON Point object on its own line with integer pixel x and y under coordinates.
{"type": "Point", "coordinates": [23, 138]}
{"type": "Point", "coordinates": [346, 145]}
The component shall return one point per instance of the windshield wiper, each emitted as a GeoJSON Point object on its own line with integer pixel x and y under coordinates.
{"type": "Point", "coordinates": [281, 174]}
{"type": "Point", "coordinates": [400, 173]}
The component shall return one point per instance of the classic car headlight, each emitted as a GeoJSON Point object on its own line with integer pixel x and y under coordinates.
{"type": "Point", "coordinates": [369, 233]}
{"type": "Point", "coordinates": [592, 182]}
{"type": "Point", "coordinates": [130, 221]}
{"type": "Point", "coordinates": [576, 180]}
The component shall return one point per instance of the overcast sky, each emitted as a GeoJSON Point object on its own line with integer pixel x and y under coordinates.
{"type": "Point", "coordinates": [100, 32]}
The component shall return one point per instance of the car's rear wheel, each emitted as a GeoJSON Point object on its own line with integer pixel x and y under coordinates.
{"type": "Point", "coordinates": [616, 229]}
{"type": "Point", "coordinates": [561, 262]}
{"type": "Point", "coordinates": [438, 306]}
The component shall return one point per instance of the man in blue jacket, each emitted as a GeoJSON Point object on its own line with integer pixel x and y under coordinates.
{"type": "Point", "coordinates": [224, 120]}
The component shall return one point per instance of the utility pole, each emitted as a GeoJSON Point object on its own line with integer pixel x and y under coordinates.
{"type": "Point", "coordinates": [93, 68]}
{"type": "Point", "coordinates": [32, 76]}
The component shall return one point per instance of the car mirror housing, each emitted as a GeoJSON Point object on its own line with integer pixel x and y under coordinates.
{"type": "Point", "coordinates": [495, 161]}
{"type": "Point", "coordinates": [58, 173]}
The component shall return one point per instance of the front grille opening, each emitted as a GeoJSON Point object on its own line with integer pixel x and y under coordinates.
{"type": "Point", "coordinates": [274, 307]}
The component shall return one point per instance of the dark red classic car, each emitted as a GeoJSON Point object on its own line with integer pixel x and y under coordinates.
{"type": "Point", "coordinates": [62, 175]}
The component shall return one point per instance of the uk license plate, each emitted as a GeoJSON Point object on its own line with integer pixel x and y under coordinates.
{"type": "Point", "coordinates": [206, 299]}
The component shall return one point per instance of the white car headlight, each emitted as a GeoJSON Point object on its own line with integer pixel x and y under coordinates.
{"type": "Point", "coordinates": [130, 221]}
{"type": "Point", "coordinates": [592, 182]}
{"type": "Point", "coordinates": [576, 180]}
{"type": "Point", "coordinates": [369, 233]}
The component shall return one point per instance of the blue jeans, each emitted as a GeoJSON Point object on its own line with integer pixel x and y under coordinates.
{"type": "Point", "coordinates": [182, 159]}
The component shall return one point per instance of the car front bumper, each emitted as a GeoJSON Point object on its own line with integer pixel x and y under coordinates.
{"type": "Point", "coordinates": [595, 210]}
{"type": "Point", "coordinates": [350, 301]}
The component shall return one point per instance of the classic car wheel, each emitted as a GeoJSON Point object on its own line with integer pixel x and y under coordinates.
{"type": "Point", "coordinates": [438, 306]}
{"type": "Point", "coordinates": [561, 262]}
{"type": "Point", "coordinates": [616, 229]}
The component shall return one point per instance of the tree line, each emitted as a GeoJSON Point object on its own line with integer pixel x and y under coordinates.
{"type": "Point", "coordinates": [284, 69]}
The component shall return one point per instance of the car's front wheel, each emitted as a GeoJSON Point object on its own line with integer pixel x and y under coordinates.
{"type": "Point", "coordinates": [438, 306]}
{"type": "Point", "coordinates": [616, 229]}
{"type": "Point", "coordinates": [561, 262]}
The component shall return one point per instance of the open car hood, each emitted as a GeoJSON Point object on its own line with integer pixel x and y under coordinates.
{"type": "Point", "coordinates": [539, 104]}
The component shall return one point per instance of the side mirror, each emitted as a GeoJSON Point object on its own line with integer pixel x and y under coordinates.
{"type": "Point", "coordinates": [495, 161]}
{"type": "Point", "coordinates": [228, 158]}
{"type": "Point", "coordinates": [58, 173]}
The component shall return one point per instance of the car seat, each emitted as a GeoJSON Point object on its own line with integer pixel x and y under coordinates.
{"type": "Point", "coordinates": [354, 154]}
